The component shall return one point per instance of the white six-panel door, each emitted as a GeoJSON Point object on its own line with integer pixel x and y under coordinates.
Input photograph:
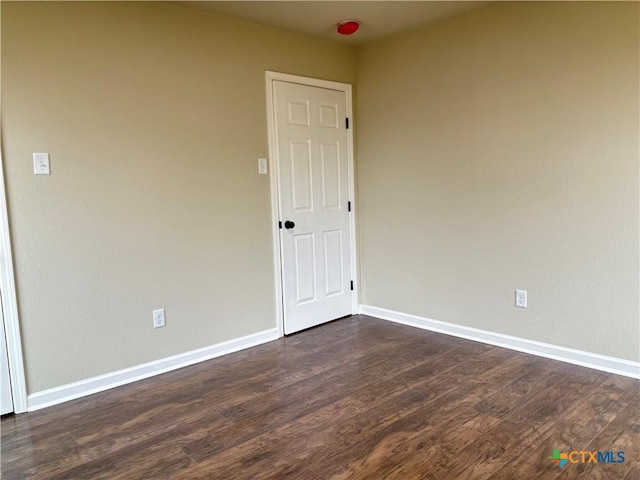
{"type": "Point", "coordinates": [313, 177]}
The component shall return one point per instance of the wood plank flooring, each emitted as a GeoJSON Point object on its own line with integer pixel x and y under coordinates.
{"type": "Point", "coordinates": [358, 398]}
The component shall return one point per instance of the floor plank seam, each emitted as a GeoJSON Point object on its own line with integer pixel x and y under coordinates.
{"type": "Point", "coordinates": [189, 456]}
{"type": "Point", "coordinates": [75, 441]}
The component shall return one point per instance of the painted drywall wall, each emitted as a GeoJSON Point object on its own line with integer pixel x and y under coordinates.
{"type": "Point", "coordinates": [498, 150]}
{"type": "Point", "coordinates": [154, 115]}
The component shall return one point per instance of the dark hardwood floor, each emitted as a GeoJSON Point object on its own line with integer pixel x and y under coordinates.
{"type": "Point", "coordinates": [358, 398]}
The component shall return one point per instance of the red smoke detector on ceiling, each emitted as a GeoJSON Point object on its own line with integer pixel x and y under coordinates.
{"type": "Point", "coordinates": [348, 27]}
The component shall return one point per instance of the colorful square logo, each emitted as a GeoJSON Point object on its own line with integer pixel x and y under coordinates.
{"type": "Point", "coordinates": [558, 458]}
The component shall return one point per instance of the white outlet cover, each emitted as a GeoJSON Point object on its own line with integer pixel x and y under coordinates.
{"type": "Point", "coordinates": [158, 318]}
{"type": "Point", "coordinates": [41, 164]}
{"type": "Point", "coordinates": [521, 298]}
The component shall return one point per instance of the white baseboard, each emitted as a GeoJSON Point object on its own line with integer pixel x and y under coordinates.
{"type": "Point", "coordinates": [596, 361]}
{"type": "Point", "coordinates": [64, 393]}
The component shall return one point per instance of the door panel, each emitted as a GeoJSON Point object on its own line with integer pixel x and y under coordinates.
{"type": "Point", "coordinates": [330, 161]}
{"type": "Point", "coordinates": [305, 271]}
{"type": "Point", "coordinates": [300, 153]}
{"type": "Point", "coordinates": [333, 263]}
{"type": "Point", "coordinates": [313, 178]}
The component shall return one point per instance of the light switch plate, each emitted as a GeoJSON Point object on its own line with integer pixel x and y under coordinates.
{"type": "Point", "coordinates": [41, 164]}
{"type": "Point", "coordinates": [262, 166]}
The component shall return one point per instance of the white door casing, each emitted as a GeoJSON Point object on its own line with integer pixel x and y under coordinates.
{"type": "Point", "coordinates": [312, 170]}
{"type": "Point", "coordinates": [6, 401]}
{"type": "Point", "coordinates": [10, 306]}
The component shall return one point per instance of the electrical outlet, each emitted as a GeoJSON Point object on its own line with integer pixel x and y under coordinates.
{"type": "Point", "coordinates": [158, 318]}
{"type": "Point", "coordinates": [521, 298]}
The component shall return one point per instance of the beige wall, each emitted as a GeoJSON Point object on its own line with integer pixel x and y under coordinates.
{"type": "Point", "coordinates": [499, 150]}
{"type": "Point", "coordinates": [154, 116]}
{"type": "Point", "coordinates": [496, 150]}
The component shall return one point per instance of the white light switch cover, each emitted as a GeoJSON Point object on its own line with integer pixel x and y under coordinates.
{"type": "Point", "coordinates": [41, 164]}
{"type": "Point", "coordinates": [262, 166]}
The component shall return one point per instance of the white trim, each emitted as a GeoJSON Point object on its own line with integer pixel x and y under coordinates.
{"type": "Point", "coordinates": [89, 386]}
{"type": "Point", "coordinates": [270, 77]}
{"type": "Point", "coordinates": [274, 187]}
{"type": "Point", "coordinates": [10, 306]}
{"type": "Point", "coordinates": [312, 82]}
{"type": "Point", "coordinates": [355, 298]}
{"type": "Point", "coordinates": [596, 361]}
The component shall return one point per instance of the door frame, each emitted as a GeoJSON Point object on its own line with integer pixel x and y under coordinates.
{"type": "Point", "coordinates": [10, 305]}
{"type": "Point", "coordinates": [274, 181]}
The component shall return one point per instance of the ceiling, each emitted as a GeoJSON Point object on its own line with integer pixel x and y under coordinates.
{"type": "Point", "coordinates": [318, 19]}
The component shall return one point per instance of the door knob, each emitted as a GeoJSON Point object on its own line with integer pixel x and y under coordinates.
{"type": "Point", "coordinates": [289, 224]}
